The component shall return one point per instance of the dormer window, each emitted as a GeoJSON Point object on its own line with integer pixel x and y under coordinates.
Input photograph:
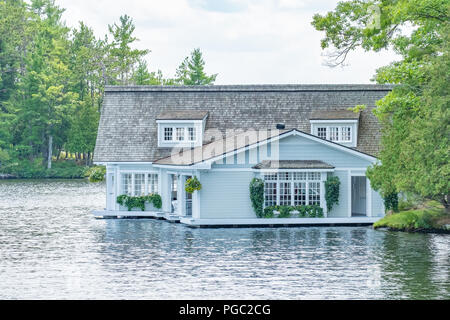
{"type": "Point", "coordinates": [181, 128]}
{"type": "Point", "coordinates": [335, 133]}
{"type": "Point", "coordinates": [340, 126]}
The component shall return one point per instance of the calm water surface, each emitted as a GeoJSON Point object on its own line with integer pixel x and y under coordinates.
{"type": "Point", "coordinates": [52, 248]}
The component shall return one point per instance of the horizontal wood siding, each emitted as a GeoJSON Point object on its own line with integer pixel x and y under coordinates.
{"type": "Point", "coordinates": [299, 148]}
{"type": "Point", "coordinates": [377, 204]}
{"type": "Point", "coordinates": [226, 195]}
{"type": "Point", "coordinates": [341, 210]}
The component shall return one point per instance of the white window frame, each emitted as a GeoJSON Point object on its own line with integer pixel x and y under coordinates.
{"type": "Point", "coordinates": [133, 181]}
{"type": "Point", "coordinates": [339, 130]}
{"type": "Point", "coordinates": [300, 178]}
{"type": "Point", "coordinates": [191, 128]}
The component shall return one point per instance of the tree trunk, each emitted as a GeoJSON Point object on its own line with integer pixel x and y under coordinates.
{"type": "Point", "coordinates": [50, 147]}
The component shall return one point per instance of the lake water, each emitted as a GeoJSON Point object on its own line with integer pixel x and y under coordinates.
{"type": "Point", "coordinates": [53, 248]}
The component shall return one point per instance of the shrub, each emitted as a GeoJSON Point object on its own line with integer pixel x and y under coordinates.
{"type": "Point", "coordinates": [139, 202]}
{"type": "Point", "coordinates": [96, 173]}
{"type": "Point", "coordinates": [391, 202]}
{"type": "Point", "coordinates": [257, 196]}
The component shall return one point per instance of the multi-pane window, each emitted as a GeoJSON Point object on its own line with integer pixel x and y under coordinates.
{"type": "Point", "coordinates": [180, 134]}
{"type": "Point", "coordinates": [334, 133]}
{"type": "Point", "coordinates": [270, 193]}
{"type": "Point", "coordinates": [191, 134]}
{"type": "Point", "coordinates": [314, 193]}
{"type": "Point", "coordinates": [174, 134]}
{"type": "Point", "coordinates": [322, 132]}
{"type": "Point", "coordinates": [299, 193]}
{"type": "Point", "coordinates": [136, 184]}
{"type": "Point", "coordinates": [346, 134]}
{"type": "Point", "coordinates": [314, 175]}
{"type": "Point", "coordinates": [168, 134]}
{"type": "Point", "coordinates": [139, 184]}
{"type": "Point", "coordinates": [127, 184]}
{"type": "Point", "coordinates": [292, 188]}
{"type": "Point", "coordinates": [152, 183]}
{"type": "Point", "coordinates": [285, 194]}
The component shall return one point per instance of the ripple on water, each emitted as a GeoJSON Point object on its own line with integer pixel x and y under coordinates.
{"type": "Point", "coordinates": [53, 248]}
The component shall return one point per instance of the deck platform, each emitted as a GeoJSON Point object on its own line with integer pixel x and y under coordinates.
{"type": "Point", "coordinates": [137, 214]}
{"type": "Point", "coordinates": [236, 223]}
{"type": "Point", "coordinates": [278, 222]}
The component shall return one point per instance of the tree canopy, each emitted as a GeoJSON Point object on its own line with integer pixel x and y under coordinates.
{"type": "Point", "coordinates": [52, 80]}
{"type": "Point", "coordinates": [415, 115]}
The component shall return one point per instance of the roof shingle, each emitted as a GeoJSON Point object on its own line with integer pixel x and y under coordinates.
{"type": "Point", "coordinates": [128, 130]}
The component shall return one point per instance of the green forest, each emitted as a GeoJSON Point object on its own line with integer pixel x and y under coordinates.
{"type": "Point", "coordinates": [51, 86]}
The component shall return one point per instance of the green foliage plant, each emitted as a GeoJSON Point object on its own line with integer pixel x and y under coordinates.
{"type": "Point", "coordinates": [332, 185]}
{"type": "Point", "coordinates": [257, 196]}
{"type": "Point", "coordinates": [192, 185]}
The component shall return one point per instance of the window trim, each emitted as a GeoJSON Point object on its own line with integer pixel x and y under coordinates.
{"type": "Point", "coordinates": [339, 131]}
{"type": "Point", "coordinates": [133, 174]}
{"type": "Point", "coordinates": [310, 177]}
{"type": "Point", "coordinates": [175, 129]}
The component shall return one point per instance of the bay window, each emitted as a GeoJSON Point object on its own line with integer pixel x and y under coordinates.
{"type": "Point", "coordinates": [292, 188]}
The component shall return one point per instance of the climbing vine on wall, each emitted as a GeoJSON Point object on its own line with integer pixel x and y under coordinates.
{"type": "Point", "coordinates": [257, 196]}
{"type": "Point", "coordinates": [332, 191]}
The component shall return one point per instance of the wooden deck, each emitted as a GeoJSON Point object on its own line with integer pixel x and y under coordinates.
{"type": "Point", "coordinates": [279, 222]}
{"type": "Point", "coordinates": [235, 223]}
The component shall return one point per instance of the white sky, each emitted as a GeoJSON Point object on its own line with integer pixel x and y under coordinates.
{"type": "Point", "coordinates": [244, 41]}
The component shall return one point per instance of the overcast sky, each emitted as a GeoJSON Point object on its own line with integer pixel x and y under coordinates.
{"type": "Point", "coordinates": [244, 41]}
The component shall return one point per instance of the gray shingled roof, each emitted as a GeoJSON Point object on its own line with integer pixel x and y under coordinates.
{"type": "Point", "coordinates": [293, 164]}
{"type": "Point", "coordinates": [128, 131]}
{"type": "Point", "coordinates": [182, 115]}
{"type": "Point", "coordinates": [334, 115]}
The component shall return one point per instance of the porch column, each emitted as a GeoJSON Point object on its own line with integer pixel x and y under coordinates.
{"type": "Point", "coordinates": [323, 202]}
{"type": "Point", "coordinates": [181, 195]}
{"type": "Point", "coordinates": [196, 200]}
{"type": "Point", "coordinates": [368, 198]}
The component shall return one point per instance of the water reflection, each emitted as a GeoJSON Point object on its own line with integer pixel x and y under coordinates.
{"type": "Point", "coordinates": [51, 247]}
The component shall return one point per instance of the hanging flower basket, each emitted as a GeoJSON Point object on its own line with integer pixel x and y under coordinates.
{"type": "Point", "coordinates": [192, 184]}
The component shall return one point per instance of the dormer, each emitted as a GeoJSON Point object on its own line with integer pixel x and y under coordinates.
{"type": "Point", "coordinates": [181, 128]}
{"type": "Point", "coordinates": [340, 126]}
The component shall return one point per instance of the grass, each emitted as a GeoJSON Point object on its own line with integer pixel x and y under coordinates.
{"type": "Point", "coordinates": [429, 217]}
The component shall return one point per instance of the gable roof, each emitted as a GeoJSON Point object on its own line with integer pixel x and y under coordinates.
{"type": "Point", "coordinates": [128, 130]}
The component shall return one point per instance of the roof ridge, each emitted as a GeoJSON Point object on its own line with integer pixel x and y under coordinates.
{"type": "Point", "coordinates": [253, 87]}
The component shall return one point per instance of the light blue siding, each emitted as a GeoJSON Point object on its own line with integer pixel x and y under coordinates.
{"type": "Point", "coordinates": [300, 148]}
{"type": "Point", "coordinates": [341, 210]}
{"type": "Point", "coordinates": [377, 204]}
{"type": "Point", "coordinates": [225, 195]}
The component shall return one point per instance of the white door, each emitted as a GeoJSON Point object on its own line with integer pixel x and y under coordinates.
{"type": "Point", "coordinates": [359, 196]}
{"type": "Point", "coordinates": [110, 191]}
